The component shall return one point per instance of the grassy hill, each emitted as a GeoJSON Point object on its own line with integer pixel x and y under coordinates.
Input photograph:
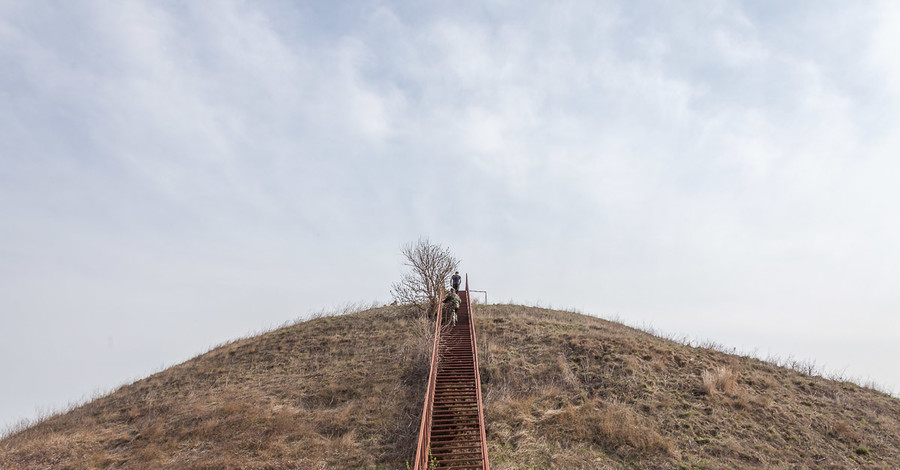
{"type": "Point", "coordinates": [561, 390]}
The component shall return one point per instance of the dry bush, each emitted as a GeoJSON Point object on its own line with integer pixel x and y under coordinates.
{"type": "Point", "coordinates": [720, 379]}
{"type": "Point", "coordinates": [430, 266]}
{"type": "Point", "coordinates": [419, 351]}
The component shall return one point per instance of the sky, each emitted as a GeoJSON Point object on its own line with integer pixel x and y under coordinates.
{"type": "Point", "coordinates": [175, 175]}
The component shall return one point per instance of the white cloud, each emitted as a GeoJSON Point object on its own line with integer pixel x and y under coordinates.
{"type": "Point", "coordinates": [709, 167]}
{"type": "Point", "coordinates": [883, 52]}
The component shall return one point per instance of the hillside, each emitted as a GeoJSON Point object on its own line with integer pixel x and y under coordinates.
{"type": "Point", "coordinates": [561, 390]}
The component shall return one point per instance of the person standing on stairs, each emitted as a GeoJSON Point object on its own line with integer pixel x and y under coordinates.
{"type": "Point", "coordinates": [455, 280]}
{"type": "Point", "coordinates": [452, 300]}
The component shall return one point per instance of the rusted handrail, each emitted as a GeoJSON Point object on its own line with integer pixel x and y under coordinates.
{"type": "Point", "coordinates": [484, 454]}
{"type": "Point", "coordinates": [425, 427]}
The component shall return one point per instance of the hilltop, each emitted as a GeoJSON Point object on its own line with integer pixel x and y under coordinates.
{"type": "Point", "coordinates": [561, 390]}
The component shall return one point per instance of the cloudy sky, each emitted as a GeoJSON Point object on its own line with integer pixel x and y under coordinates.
{"type": "Point", "coordinates": [174, 175]}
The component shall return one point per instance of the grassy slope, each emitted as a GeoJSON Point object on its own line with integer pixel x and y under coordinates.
{"type": "Point", "coordinates": [562, 390]}
{"type": "Point", "coordinates": [334, 392]}
{"type": "Point", "coordinates": [571, 391]}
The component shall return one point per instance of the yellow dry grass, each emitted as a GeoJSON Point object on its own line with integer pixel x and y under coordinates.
{"type": "Point", "coordinates": [719, 380]}
{"type": "Point", "coordinates": [334, 392]}
{"type": "Point", "coordinates": [561, 391]}
{"type": "Point", "coordinates": [569, 391]}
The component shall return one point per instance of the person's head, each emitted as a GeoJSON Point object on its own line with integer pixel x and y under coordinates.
{"type": "Point", "coordinates": [457, 272]}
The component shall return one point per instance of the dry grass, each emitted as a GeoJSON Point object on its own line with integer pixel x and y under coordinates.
{"type": "Point", "coordinates": [333, 392]}
{"type": "Point", "coordinates": [719, 380]}
{"type": "Point", "coordinates": [569, 391]}
{"type": "Point", "coordinates": [561, 391]}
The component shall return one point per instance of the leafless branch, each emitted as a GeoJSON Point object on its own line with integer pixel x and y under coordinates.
{"type": "Point", "coordinates": [430, 267]}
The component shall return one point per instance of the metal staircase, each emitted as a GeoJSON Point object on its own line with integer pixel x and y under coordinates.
{"type": "Point", "coordinates": [451, 435]}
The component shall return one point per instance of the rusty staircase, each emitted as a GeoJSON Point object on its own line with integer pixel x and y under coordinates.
{"type": "Point", "coordinates": [451, 435]}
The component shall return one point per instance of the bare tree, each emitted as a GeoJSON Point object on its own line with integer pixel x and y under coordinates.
{"type": "Point", "coordinates": [430, 267]}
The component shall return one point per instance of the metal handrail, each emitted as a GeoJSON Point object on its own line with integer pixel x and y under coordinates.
{"type": "Point", "coordinates": [479, 291]}
{"type": "Point", "coordinates": [484, 454]}
{"type": "Point", "coordinates": [422, 450]}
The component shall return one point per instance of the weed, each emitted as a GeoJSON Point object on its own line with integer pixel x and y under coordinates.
{"type": "Point", "coordinates": [720, 379]}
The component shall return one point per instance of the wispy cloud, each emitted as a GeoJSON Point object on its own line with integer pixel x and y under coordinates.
{"type": "Point", "coordinates": [708, 167]}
